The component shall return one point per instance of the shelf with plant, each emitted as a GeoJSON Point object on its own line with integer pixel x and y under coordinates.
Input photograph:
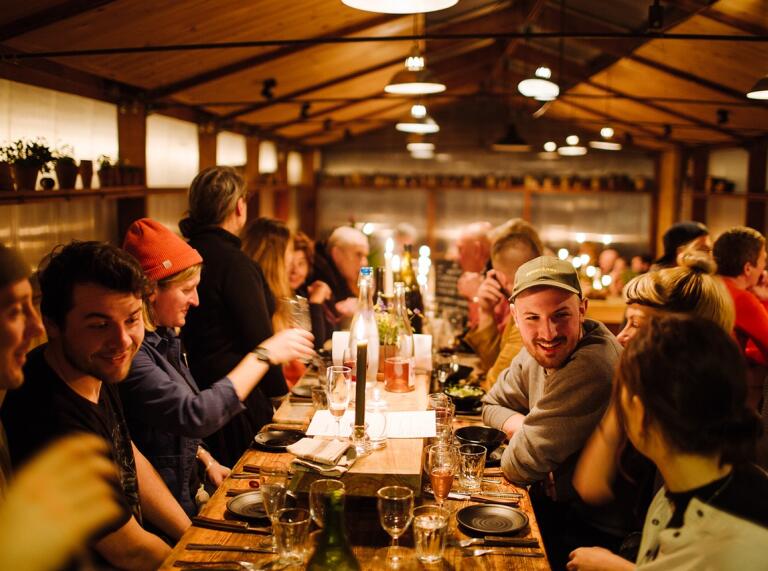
{"type": "Point", "coordinates": [27, 158]}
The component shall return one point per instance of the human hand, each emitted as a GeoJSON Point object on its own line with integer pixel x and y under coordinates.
{"type": "Point", "coordinates": [347, 307]}
{"type": "Point", "coordinates": [490, 293]}
{"type": "Point", "coordinates": [596, 559]}
{"type": "Point", "coordinates": [56, 503]}
{"type": "Point", "coordinates": [290, 344]}
{"type": "Point", "coordinates": [319, 292]}
{"type": "Point", "coordinates": [760, 290]}
{"type": "Point", "coordinates": [468, 284]}
{"type": "Point", "coordinates": [216, 473]}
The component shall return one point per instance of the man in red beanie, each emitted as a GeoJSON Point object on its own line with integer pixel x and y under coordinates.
{"type": "Point", "coordinates": [167, 413]}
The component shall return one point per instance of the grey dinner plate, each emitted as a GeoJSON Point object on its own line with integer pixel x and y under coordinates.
{"type": "Point", "coordinates": [250, 505]}
{"type": "Point", "coordinates": [491, 519]}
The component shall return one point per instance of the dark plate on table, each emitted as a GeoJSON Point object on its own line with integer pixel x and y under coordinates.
{"type": "Point", "coordinates": [277, 440]}
{"type": "Point", "coordinates": [491, 520]}
{"type": "Point", "coordinates": [303, 390]}
{"type": "Point", "coordinates": [250, 505]}
{"type": "Point", "coordinates": [489, 437]}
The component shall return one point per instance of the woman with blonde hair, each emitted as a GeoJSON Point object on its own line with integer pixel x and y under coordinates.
{"type": "Point", "coordinates": [610, 469]}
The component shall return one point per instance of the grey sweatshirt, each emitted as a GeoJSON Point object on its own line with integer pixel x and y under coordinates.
{"type": "Point", "coordinates": [561, 407]}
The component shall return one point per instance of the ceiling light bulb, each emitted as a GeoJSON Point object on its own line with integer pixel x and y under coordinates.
{"type": "Point", "coordinates": [606, 132]}
{"type": "Point", "coordinates": [423, 155]}
{"type": "Point", "coordinates": [420, 147]}
{"type": "Point", "coordinates": [572, 151]}
{"type": "Point", "coordinates": [543, 72]}
{"type": "Point", "coordinates": [572, 139]}
{"type": "Point", "coordinates": [605, 145]}
{"type": "Point", "coordinates": [550, 146]}
{"type": "Point", "coordinates": [400, 6]}
{"type": "Point", "coordinates": [424, 125]}
{"type": "Point", "coordinates": [414, 63]}
{"type": "Point", "coordinates": [418, 111]}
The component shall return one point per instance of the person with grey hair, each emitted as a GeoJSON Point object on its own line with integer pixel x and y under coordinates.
{"type": "Point", "coordinates": [236, 306]}
{"type": "Point", "coordinates": [337, 263]}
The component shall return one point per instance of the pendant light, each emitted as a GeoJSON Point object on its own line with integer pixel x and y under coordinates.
{"type": "Point", "coordinates": [415, 79]}
{"type": "Point", "coordinates": [540, 87]}
{"type": "Point", "coordinates": [418, 121]}
{"type": "Point", "coordinates": [419, 143]}
{"type": "Point", "coordinates": [572, 147]}
{"type": "Point", "coordinates": [400, 6]}
{"type": "Point", "coordinates": [759, 89]}
{"type": "Point", "coordinates": [511, 142]}
{"type": "Point", "coordinates": [606, 145]}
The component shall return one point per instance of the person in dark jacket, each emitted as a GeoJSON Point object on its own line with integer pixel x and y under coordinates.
{"type": "Point", "coordinates": [167, 413]}
{"type": "Point", "coordinates": [317, 292]}
{"type": "Point", "coordinates": [235, 309]}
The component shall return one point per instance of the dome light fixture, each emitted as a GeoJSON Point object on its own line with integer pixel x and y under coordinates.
{"type": "Point", "coordinates": [606, 132]}
{"type": "Point", "coordinates": [550, 146]}
{"type": "Point", "coordinates": [418, 111]}
{"type": "Point", "coordinates": [759, 89]}
{"type": "Point", "coordinates": [414, 79]}
{"type": "Point", "coordinates": [540, 86]}
{"type": "Point", "coordinates": [511, 142]}
{"type": "Point", "coordinates": [572, 140]}
{"type": "Point", "coordinates": [423, 155]}
{"type": "Point", "coordinates": [420, 125]}
{"type": "Point", "coordinates": [604, 145]}
{"type": "Point", "coordinates": [420, 146]}
{"type": "Point", "coordinates": [400, 6]}
{"type": "Point", "coordinates": [572, 149]}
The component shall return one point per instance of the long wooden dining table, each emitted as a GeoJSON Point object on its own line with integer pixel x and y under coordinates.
{"type": "Point", "coordinates": [392, 465]}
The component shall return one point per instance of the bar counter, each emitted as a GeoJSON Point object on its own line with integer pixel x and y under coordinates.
{"type": "Point", "coordinates": [401, 457]}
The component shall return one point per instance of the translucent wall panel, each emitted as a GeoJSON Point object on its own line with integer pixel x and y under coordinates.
{"type": "Point", "coordinates": [295, 168]}
{"type": "Point", "coordinates": [88, 126]}
{"type": "Point", "coordinates": [230, 149]}
{"type": "Point", "coordinates": [35, 228]}
{"type": "Point", "coordinates": [267, 157]}
{"type": "Point", "coordinates": [168, 209]}
{"type": "Point", "coordinates": [457, 208]}
{"type": "Point", "coordinates": [724, 212]}
{"type": "Point", "coordinates": [731, 164]}
{"type": "Point", "coordinates": [624, 217]}
{"type": "Point", "coordinates": [172, 153]}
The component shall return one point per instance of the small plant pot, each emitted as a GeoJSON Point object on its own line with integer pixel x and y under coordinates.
{"type": "Point", "coordinates": [67, 175]}
{"type": "Point", "coordinates": [106, 177]}
{"type": "Point", "coordinates": [25, 176]}
{"type": "Point", "coordinates": [6, 177]}
{"type": "Point", "coordinates": [86, 173]}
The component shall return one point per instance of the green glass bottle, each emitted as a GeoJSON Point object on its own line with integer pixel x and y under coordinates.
{"type": "Point", "coordinates": [333, 548]}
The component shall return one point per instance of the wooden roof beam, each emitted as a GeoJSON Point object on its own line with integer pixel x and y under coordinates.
{"type": "Point", "coordinates": [49, 16]}
{"type": "Point", "coordinates": [711, 12]}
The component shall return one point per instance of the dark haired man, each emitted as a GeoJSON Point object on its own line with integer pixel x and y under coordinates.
{"type": "Point", "coordinates": [551, 398]}
{"type": "Point", "coordinates": [91, 303]}
{"type": "Point", "coordinates": [741, 257]}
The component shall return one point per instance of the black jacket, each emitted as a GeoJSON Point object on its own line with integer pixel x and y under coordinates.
{"type": "Point", "coordinates": [233, 317]}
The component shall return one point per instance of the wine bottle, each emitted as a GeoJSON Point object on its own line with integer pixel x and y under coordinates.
{"type": "Point", "coordinates": [413, 297]}
{"type": "Point", "coordinates": [364, 327]}
{"type": "Point", "coordinates": [333, 549]}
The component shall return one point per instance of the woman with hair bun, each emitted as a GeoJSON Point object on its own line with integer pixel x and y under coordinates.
{"type": "Point", "coordinates": [680, 394]}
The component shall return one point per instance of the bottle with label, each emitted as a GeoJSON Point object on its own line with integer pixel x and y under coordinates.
{"type": "Point", "coordinates": [333, 549]}
{"type": "Point", "coordinates": [364, 327]}
{"type": "Point", "coordinates": [400, 368]}
{"type": "Point", "coordinates": [413, 298]}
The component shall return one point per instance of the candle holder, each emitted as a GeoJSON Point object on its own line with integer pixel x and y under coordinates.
{"type": "Point", "coordinates": [360, 439]}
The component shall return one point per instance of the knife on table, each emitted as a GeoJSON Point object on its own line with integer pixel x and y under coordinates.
{"type": "Point", "coordinates": [238, 548]}
{"type": "Point", "coordinates": [227, 525]}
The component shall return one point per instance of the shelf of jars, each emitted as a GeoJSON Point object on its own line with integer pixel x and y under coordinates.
{"type": "Point", "coordinates": [610, 183]}
{"type": "Point", "coordinates": [730, 195]}
{"type": "Point", "coordinates": [114, 192]}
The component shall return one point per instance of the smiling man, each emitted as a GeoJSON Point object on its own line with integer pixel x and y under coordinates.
{"type": "Point", "coordinates": [92, 296]}
{"type": "Point", "coordinates": [555, 391]}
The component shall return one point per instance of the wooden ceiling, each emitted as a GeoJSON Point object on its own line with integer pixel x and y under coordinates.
{"type": "Point", "coordinates": [168, 54]}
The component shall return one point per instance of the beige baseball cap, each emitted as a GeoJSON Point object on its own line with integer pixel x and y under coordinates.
{"type": "Point", "coordinates": [546, 271]}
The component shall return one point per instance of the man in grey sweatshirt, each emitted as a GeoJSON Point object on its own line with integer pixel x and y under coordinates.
{"type": "Point", "coordinates": [556, 390]}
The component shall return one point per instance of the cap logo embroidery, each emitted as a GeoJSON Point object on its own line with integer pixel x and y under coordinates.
{"type": "Point", "coordinates": [167, 264]}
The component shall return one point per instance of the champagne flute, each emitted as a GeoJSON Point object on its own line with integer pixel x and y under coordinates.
{"type": "Point", "coordinates": [443, 463]}
{"type": "Point", "coordinates": [318, 490]}
{"type": "Point", "coordinates": [395, 505]}
{"type": "Point", "coordinates": [339, 391]}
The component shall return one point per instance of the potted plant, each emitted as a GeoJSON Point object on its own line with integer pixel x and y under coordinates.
{"type": "Point", "coordinates": [66, 168]}
{"type": "Point", "coordinates": [6, 177]}
{"type": "Point", "coordinates": [27, 159]}
{"type": "Point", "coordinates": [107, 171]}
{"type": "Point", "coordinates": [86, 172]}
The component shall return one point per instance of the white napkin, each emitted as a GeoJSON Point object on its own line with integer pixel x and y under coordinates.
{"type": "Point", "coordinates": [327, 457]}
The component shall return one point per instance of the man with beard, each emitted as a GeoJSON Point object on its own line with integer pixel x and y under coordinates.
{"type": "Point", "coordinates": [552, 397]}
{"type": "Point", "coordinates": [92, 297]}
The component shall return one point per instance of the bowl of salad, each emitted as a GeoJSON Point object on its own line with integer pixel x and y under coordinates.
{"type": "Point", "coordinates": [465, 397]}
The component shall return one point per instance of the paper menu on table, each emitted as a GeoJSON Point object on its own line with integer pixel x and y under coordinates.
{"type": "Point", "coordinates": [409, 424]}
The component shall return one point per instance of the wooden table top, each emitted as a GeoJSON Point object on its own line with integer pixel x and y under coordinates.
{"type": "Point", "coordinates": [366, 535]}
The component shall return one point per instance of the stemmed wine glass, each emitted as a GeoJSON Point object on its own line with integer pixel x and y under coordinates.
{"type": "Point", "coordinates": [274, 487]}
{"type": "Point", "coordinates": [442, 463]}
{"type": "Point", "coordinates": [339, 379]}
{"type": "Point", "coordinates": [395, 504]}
{"type": "Point", "coordinates": [318, 491]}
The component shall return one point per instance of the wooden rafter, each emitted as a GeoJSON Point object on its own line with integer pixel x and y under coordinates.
{"type": "Point", "coordinates": [48, 17]}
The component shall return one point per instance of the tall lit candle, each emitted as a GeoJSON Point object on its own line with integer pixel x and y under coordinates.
{"type": "Point", "coordinates": [362, 364]}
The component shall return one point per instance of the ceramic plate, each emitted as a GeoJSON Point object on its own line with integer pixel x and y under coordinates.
{"type": "Point", "coordinates": [277, 440]}
{"type": "Point", "coordinates": [250, 505]}
{"type": "Point", "coordinates": [491, 519]}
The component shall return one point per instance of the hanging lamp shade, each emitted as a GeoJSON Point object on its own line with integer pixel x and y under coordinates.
{"type": "Point", "coordinates": [511, 142]}
{"type": "Point", "coordinates": [571, 151]}
{"type": "Point", "coordinates": [422, 125]}
{"type": "Point", "coordinates": [419, 82]}
{"type": "Point", "coordinates": [540, 86]}
{"type": "Point", "coordinates": [759, 89]}
{"type": "Point", "coordinates": [605, 145]}
{"type": "Point", "coordinates": [400, 6]}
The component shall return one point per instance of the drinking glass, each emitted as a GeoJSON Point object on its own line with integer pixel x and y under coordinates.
{"type": "Point", "coordinates": [443, 463]}
{"type": "Point", "coordinates": [319, 398]}
{"type": "Point", "coordinates": [430, 529]}
{"type": "Point", "coordinates": [445, 365]}
{"type": "Point", "coordinates": [339, 391]}
{"type": "Point", "coordinates": [436, 401]}
{"type": "Point", "coordinates": [317, 492]}
{"type": "Point", "coordinates": [471, 467]}
{"type": "Point", "coordinates": [444, 409]}
{"type": "Point", "coordinates": [274, 487]}
{"type": "Point", "coordinates": [299, 315]}
{"type": "Point", "coordinates": [291, 526]}
{"type": "Point", "coordinates": [395, 504]}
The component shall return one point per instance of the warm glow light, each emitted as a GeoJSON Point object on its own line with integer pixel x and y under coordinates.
{"type": "Point", "coordinates": [420, 147]}
{"type": "Point", "coordinates": [400, 6]}
{"type": "Point", "coordinates": [597, 285]}
{"type": "Point", "coordinates": [606, 280]}
{"type": "Point", "coordinates": [389, 246]}
{"type": "Point", "coordinates": [591, 271]}
{"type": "Point", "coordinates": [562, 253]}
{"type": "Point", "coordinates": [584, 259]}
{"type": "Point", "coordinates": [422, 155]}
{"type": "Point", "coordinates": [418, 111]}
{"type": "Point", "coordinates": [424, 251]}
{"type": "Point", "coordinates": [540, 87]}
{"type": "Point", "coordinates": [759, 89]}
{"type": "Point", "coordinates": [395, 263]}
{"type": "Point", "coordinates": [367, 228]}
{"type": "Point", "coordinates": [606, 132]}
{"type": "Point", "coordinates": [424, 125]}
{"type": "Point", "coordinates": [576, 262]}
{"type": "Point", "coordinates": [572, 151]}
{"type": "Point", "coordinates": [607, 239]}
{"type": "Point", "coordinates": [572, 140]}
{"type": "Point", "coordinates": [414, 63]}
{"type": "Point", "coordinates": [581, 238]}
{"type": "Point", "coordinates": [550, 146]}
{"type": "Point", "coordinates": [605, 145]}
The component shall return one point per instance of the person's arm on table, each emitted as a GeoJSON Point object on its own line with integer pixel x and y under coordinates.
{"type": "Point", "coordinates": [506, 404]}
{"type": "Point", "coordinates": [157, 503]}
{"type": "Point", "coordinates": [597, 559]}
{"type": "Point", "coordinates": [596, 469]}
{"type": "Point", "coordinates": [131, 547]}
{"type": "Point", "coordinates": [215, 472]}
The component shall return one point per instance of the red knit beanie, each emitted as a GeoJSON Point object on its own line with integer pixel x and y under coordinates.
{"type": "Point", "coordinates": [160, 252]}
